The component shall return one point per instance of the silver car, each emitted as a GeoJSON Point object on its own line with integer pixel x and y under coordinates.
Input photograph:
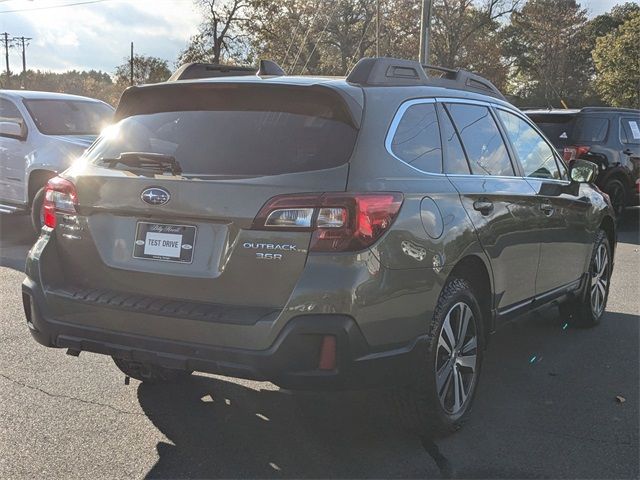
{"type": "Point", "coordinates": [41, 133]}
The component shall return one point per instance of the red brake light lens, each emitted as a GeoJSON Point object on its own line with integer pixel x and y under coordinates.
{"type": "Point", "coordinates": [60, 196]}
{"type": "Point", "coordinates": [340, 222]}
{"type": "Point", "coordinates": [574, 152]}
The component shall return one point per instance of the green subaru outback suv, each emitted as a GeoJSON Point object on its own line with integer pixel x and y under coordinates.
{"type": "Point", "coordinates": [318, 233]}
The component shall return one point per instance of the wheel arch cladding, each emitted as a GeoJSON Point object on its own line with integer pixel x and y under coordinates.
{"type": "Point", "coordinates": [622, 175]}
{"type": "Point", "coordinates": [472, 269]}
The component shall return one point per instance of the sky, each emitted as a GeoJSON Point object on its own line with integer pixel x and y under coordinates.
{"type": "Point", "coordinates": [67, 34]}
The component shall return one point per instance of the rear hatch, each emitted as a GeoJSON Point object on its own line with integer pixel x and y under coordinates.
{"type": "Point", "coordinates": [557, 127]}
{"type": "Point", "coordinates": [167, 197]}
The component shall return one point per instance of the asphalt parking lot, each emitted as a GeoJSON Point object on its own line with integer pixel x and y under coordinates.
{"type": "Point", "coordinates": [546, 407]}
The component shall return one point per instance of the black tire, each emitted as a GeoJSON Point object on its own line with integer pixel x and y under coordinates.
{"type": "Point", "coordinates": [36, 211]}
{"type": "Point", "coordinates": [583, 311]}
{"type": "Point", "coordinates": [152, 374]}
{"type": "Point", "coordinates": [419, 406]}
{"type": "Point", "coordinates": [618, 196]}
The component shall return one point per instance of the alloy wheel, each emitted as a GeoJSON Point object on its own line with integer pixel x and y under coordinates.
{"type": "Point", "coordinates": [599, 280]}
{"type": "Point", "coordinates": [456, 358]}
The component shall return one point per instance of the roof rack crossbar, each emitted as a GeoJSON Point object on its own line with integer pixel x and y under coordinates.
{"type": "Point", "coordinates": [396, 72]}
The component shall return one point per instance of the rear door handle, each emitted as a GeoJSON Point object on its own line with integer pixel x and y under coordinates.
{"type": "Point", "coordinates": [484, 206]}
{"type": "Point", "coordinates": [547, 209]}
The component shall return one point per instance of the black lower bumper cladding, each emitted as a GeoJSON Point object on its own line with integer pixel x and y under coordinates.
{"type": "Point", "coordinates": [291, 362]}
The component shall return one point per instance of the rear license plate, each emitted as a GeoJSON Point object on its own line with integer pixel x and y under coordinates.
{"type": "Point", "coordinates": [160, 241]}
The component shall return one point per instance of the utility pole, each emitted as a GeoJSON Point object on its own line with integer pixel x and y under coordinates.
{"type": "Point", "coordinates": [131, 66]}
{"type": "Point", "coordinates": [5, 40]}
{"type": "Point", "coordinates": [22, 40]}
{"type": "Point", "coordinates": [377, 28]}
{"type": "Point", "coordinates": [425, 28]}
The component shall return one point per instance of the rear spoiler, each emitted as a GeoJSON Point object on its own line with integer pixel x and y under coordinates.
{"type": "Point", "coordinates": [176, 96]}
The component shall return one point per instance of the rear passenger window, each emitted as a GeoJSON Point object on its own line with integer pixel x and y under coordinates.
{"type": "Point", "coordinates": [416, 140]}
{"type": "Point", "coordinates": [631, 130]}
{"type": "Point", "coordinates": [481, 138]}
{"type": "Point", "coordinates": [535, 154]}
{"type": "Point", "coordinates": [455, 161]}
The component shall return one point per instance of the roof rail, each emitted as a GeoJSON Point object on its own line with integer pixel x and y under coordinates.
{"type": "Point", "coordinates": [398, 72]}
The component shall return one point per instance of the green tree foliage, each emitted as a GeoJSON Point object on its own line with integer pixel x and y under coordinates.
{"type": "Point", "coordinates": [547, 49]}
{"type": "Point", "coordinates": [465, 33]}
{"type": "Point", "coordinates": [328, 37]}
{"type": "Point", "coordinates": [617, 62]}
{"type": "Point", "coordinates": [607, 22]}
{"type": "Point", "coordinates": [92, 83]}
{"type": "Point", "coordinates": [146, 69]}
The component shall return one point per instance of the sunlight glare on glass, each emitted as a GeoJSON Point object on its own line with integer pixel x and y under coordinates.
{"type": "Point", "coordinates": [112, 132]}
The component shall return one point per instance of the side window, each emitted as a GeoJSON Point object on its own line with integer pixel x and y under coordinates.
{"type": "Point", "coordinates": [482, 140]}
{"type": "Point", "coordinates": [535, 154]}
{"type": "Point", "coordinates": [9, 112]}
{"type": "Point", "coordinates": [455, 161]}
{"type": "Point", "coordinates": [590, 129]}
{"type": "Point", "coordinates": [417, 138]}
{"type": "Point", "coordinates": [630, 131]}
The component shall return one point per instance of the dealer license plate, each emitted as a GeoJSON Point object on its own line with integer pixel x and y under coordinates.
{"type": "Point", "coordinates": [165, 242]}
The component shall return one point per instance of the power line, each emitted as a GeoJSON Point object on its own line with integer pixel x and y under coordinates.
{"type": "Point", "coordinates": [53, 6]}
{"type": "Point", "coordinates": [304, 39]}
{"type": "Point", "coordinates": [335, 9]}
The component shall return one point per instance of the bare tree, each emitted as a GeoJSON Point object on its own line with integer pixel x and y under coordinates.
{"type": "Point", "coordinates": [218, 32]}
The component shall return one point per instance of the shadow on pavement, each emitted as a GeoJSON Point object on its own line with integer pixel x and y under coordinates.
{"type": "Point", "coordinates": [536, 401]}
{"type": "Point", "coordinates": [221, 429]}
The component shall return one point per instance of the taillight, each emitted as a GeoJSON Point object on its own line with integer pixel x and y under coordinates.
{"type": "Point", "coordinates": [60, 196]}
{"type": "Point", "coordinates": [340, 222]}
{"type": "Point", "coordinates": [571, 153]}
{"type": "Point", "coordinates": [638, 186]}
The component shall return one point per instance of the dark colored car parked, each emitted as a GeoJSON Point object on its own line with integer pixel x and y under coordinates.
{"type": "Point", "coordinates": [318, 233]}
{"type": "Point", "coordinates": [608, 137]}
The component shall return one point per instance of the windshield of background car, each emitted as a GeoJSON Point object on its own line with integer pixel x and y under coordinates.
{"type": "Point", "coordinates": [236, 130]}
{"type": "Point", "coordinates": [69, 117]}
{"type": "Point", "coordinates": [590, 129]}
{"type": "Point", "coordinates": [556, 127]}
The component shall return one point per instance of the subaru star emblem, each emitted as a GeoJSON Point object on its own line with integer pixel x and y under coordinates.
{"type": "Point", "coordinates": [155, 196]}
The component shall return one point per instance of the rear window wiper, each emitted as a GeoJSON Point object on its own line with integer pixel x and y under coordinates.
{"type": "Point", "coordinates": [145, 161]}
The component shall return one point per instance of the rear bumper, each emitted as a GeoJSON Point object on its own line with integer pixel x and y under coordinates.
{"type": "Point", "coordinates": [292, 361]}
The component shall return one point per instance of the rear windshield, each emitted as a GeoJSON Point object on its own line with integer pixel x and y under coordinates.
{"type": "Point", "coordinates": [557, 128]}
{"type": "Point", "coordinates": [590, 129]}
{"type": "Point", "coordinates": [69, 117]}
{"type": "Point", "coordinates": [236, 131]}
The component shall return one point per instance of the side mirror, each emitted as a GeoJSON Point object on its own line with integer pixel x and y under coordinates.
{"type": "Point", "coordinates": [11, 130]}
{"type": "Point", "coordinates": [583, 171]}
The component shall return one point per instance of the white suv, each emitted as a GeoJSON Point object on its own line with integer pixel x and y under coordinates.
{"type": "Point", "coordinates": [41, 133]}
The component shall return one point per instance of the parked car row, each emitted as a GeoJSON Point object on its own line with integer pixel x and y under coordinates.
{"type": "Point", "coordinates": [608, 137]}
{"type": "Point", "coordinates": [317, 233]}
{"type": "Point", "coordinates": [41, 134]}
